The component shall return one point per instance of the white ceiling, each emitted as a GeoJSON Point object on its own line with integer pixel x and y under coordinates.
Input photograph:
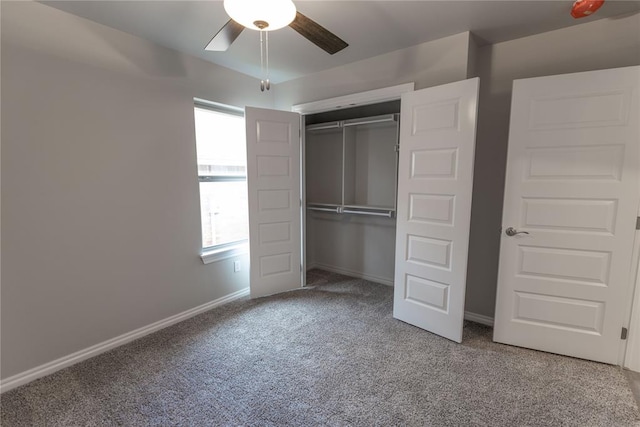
{"type": "Point", "coordinates": [370, 27]}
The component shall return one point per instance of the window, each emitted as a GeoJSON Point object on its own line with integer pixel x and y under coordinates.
{"type": "Point", "coordinates": [222, 172]}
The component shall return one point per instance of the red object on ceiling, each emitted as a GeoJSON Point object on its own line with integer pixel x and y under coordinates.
{"type": "Point", "coordinates": [582, 8]}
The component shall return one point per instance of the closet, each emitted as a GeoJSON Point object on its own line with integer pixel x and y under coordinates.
{"type": "Point", "coordinates": [351, 169]}
{"type": "Point", "coordinates": [382, 191]}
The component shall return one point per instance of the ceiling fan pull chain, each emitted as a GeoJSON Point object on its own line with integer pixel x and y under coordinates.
{"type": "Point", "coordinates": [266, 56]}
{"type": "Point", "coordinates": [262, 85]}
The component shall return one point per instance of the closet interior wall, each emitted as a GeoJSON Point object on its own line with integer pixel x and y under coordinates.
{"type": "Point", "coordinates": [352, 168]}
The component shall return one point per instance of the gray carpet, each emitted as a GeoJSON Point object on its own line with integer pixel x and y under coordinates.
{"type": "Point", "coordinates": [634, 382]}
{"type": "Point", "coordinates": [329, 355]}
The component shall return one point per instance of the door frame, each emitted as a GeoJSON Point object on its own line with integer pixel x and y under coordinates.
{"type": "Point", "coordinates": [629, 356]}
{"type": "Point", "coordinates": [374, 96]}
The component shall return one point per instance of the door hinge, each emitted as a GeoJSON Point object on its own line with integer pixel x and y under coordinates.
{"type": "Point", "coordinates": [397, 150]}
{"type": "Point", "coordinates": [638, 223]}
{"type": "Point", "coordinates": [623, 335]}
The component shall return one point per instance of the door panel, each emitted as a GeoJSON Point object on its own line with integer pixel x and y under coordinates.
{"type": "Point", "coordinates": [273, 175]}
{"type": "Point", "coordinates": [435, 181]}
{"type": "Point", "coordinates": [572, 185]}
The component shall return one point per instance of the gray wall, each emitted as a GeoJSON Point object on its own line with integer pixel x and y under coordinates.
{"type": "Point", "coordinates": [472, 58]}
{"type": "Point", "coordinates": [606, 43]}
{"type": "Point", "coordinates": [100, 207]}
{"type": "Point", "coordinates": [427, 64]}
{"type": "Point", "coordinates": [355, 245]}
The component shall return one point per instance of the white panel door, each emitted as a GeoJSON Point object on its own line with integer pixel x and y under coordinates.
{"type": "Point", "coordinates": [273, 175]}
{"type": "Point", "coordinates": [435, 182]}
{"type": "Point", "coordinates": [572, 185]}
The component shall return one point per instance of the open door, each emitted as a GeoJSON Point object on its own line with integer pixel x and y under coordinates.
{"type": "Point", "coordinates": [273, 176]}
{"type": "Point", "coordinates": [569, 219]}
{"type": "Point", "coordinates": [435, 182]}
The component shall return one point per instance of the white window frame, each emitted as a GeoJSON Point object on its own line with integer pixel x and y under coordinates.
{"type": "Point", "coordinates": [231, 249]}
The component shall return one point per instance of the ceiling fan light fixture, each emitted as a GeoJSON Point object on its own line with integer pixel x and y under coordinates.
{"type": "Point", "coordinates": [254, 13]}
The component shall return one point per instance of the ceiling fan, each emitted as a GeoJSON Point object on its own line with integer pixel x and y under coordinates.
{"type": "Point", "coordinates": [269, 15]}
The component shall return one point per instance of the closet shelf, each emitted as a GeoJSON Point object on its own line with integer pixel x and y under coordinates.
{"type": "Point", "coordinates": [386, 118]}
{"type": "Point", "coordinates": [324, 126]}
{"type": "Point", "coordinates": [371, 120]}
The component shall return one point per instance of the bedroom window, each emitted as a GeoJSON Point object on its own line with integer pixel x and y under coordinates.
{"type": "Point", "coordinates": [222, 173]}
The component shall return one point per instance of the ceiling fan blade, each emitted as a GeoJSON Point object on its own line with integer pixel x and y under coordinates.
{"type": "Point", "coordinates": [317, 34]}
{"type": "Point", "coordinates": [223, 38]}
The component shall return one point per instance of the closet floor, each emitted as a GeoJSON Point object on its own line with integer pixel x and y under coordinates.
{"type": "Point", "coordinates": [316, 277]}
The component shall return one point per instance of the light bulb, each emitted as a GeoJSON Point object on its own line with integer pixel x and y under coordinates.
{"type": "Point", "coordinates": [276, 13]}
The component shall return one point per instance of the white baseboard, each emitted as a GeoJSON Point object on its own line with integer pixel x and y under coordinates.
{"type": "Point", "coordinates": [66, 361]}
{"type": "Point", "coordinates": [352, 273]}
{"type": "Point", "coordinates": [71, 359]}
{"type": "Point", "coordinates": [478, 318]}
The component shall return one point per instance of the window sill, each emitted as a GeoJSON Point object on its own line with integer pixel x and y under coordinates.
{"type": "Point", "coordinates": [215, 255]}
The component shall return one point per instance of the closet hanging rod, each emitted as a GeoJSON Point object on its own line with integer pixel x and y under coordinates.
{"type": "Point", "coordinates": [371, 120]}
{"type": "Point", "coordinates": [388, 214]}
{"type": "Point", "coordinates": [315, 208]}
{"type": "Point", "coordinates": [343, 210]}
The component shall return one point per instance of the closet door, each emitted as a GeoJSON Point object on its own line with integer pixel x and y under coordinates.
{"type": "Point", "coordinates": [435, 182]}
{"type": "Point", "coordinates": [273, 175]}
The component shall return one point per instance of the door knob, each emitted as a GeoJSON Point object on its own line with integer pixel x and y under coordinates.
{"type": "Point", "coordinates": [512, 231]}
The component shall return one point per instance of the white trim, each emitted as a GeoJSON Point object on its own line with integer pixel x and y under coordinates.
{"type": "Point", "coordinates": [354, 99]}
{"type": "Point", "coordinates": [216, 106]}
{"type": "Point", "coordinates": [216, 255]}
{"type": "Point", "coordinates": [352, 273]}
{"type": "Point", "coordinates": [632, 357]}
{"type": "Point", "coordinates": [478, 318]}
{"type": "Point", "coordinates": [303, 202]}
{"type": "Point", "coordinates": [71, 359]}
{"type": "Point", "coordinates": [632, 351]}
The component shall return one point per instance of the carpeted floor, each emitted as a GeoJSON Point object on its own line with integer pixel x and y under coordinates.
{"type": "Point", "coordinates": [328, 355]}
{"type": "Point", "coordinates": [634, 382]}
